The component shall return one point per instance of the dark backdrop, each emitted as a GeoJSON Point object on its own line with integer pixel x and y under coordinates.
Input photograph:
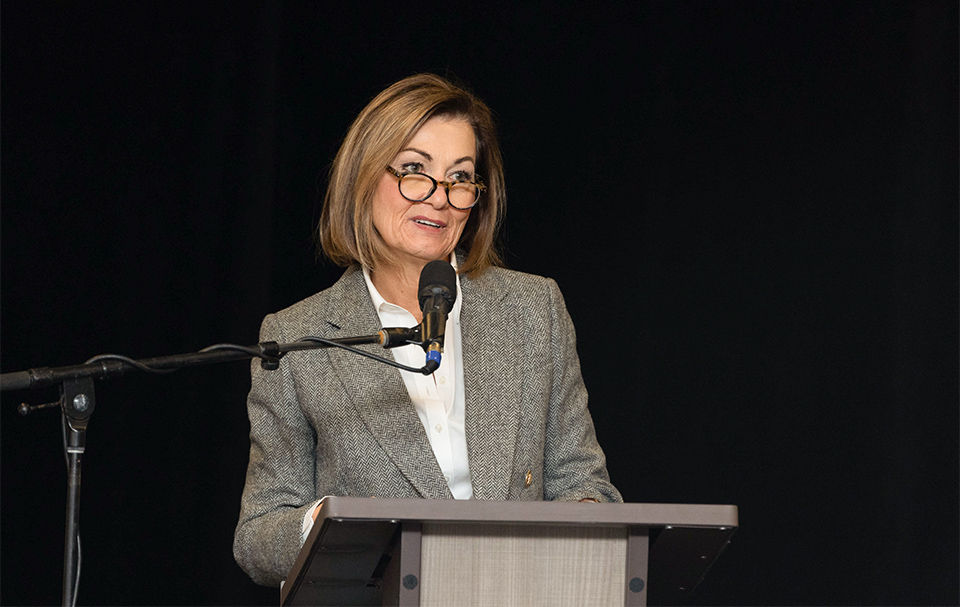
{"type": "Point", "coordinates": [751, 209]}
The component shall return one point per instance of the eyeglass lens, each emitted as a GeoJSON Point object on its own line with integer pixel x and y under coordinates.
{"type": "Point", "coordinates": [415, 186]}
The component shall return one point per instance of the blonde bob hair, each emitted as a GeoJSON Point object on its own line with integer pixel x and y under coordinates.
{"type": "Point", "coordinates": [346, 232]}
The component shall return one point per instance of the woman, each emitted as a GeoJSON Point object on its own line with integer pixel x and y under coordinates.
{"type": "Point", "coordinates": [504, 417]}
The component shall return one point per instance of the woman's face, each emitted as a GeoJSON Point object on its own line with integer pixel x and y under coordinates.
{"type": "Point", "coordinates": [419, 232]}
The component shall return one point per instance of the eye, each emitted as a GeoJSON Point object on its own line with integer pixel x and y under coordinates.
{"type": "Point", "coordinates": [461, 176]}
{"type": "Point", "coordinates": [411, 167]}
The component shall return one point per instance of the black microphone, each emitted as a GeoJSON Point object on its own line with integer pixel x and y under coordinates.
{"type": "Point", "coordinates": [437, 294]}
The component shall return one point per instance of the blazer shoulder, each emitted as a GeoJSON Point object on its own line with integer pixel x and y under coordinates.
{"type": "Point", "coordinates": [324, 309]}
{"type": "Point", "coordinates": [512, 282]}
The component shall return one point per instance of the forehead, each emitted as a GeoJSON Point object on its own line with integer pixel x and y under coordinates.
{"type": "Point", "coordinates": [444, 137]}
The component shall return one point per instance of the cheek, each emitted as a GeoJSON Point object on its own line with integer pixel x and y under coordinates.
{"type": "Point", "coordinates": [462, 222]}
{"type": "Point", "coordinates": [386, 203]}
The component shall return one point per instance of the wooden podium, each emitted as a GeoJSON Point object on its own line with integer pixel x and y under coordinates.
{"type": "Point", "coordinates": [449, 552]}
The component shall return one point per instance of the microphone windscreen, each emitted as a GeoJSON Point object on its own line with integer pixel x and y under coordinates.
{"type": "Point", "coordinates": [438, 273]}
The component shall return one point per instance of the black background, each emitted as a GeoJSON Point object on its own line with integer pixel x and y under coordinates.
{"type": "Point", "coordinates": [751, 208]}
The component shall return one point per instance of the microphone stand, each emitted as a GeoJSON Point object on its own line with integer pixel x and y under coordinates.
{"type": "Point", "coordinates": [77, 402]}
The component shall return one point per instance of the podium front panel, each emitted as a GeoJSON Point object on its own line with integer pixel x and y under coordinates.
{"type": "Point", "coordinates": [479, 564]}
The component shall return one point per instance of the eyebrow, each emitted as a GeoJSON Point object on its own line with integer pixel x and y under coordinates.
{"type": "Point", "coordinates": [429, 158]}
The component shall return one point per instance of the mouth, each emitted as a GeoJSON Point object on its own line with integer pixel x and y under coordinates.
{"type": "Point", "coordinates": [430, 224]}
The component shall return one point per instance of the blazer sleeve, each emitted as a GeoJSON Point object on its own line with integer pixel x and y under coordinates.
{"type": "Point", "coordinates": [574, 464]}
{"type": "Point", "coordinates": [280, 483]}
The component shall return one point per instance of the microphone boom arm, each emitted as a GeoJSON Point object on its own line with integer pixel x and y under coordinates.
{"type": "Point", "coordinates": [270, 353]}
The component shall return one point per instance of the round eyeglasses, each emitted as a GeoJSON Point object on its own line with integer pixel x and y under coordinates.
{"type": "Point", "coordinates": [417, 187]}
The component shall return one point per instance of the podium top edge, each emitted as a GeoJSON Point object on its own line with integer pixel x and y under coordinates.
{"type": "Point", "coordinates": [548, 513]}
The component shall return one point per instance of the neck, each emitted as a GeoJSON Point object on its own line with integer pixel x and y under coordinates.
{"type": "Point", "coordinates": [398, 285]}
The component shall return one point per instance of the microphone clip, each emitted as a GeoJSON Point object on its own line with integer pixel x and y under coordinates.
{"type": "Point", "coordinates": [394, 337]}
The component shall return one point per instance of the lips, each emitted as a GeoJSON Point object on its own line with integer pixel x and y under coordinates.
{"type": "Point", "coordinates": [430, 223]}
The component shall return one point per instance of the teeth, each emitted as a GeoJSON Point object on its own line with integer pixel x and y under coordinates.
{"type": "Point", "coordinates": [427, 223]}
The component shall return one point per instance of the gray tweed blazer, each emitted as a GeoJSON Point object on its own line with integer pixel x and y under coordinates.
{"type": "Point", "coordinates": [329, 422]}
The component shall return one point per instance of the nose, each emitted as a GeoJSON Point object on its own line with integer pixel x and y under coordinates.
{"type": "Point", "coordinates": [438, 199]}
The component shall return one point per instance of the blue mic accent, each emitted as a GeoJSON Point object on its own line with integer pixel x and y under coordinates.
{"type": "Point", "coordinates": [433, 361]}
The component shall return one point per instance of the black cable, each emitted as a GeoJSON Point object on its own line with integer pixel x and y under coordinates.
{"type": "Point", "coordinates": [245, 349]}
{"type": "Point", "coordinates": [66, 459]}
{"type": "Point", "coordinates": [76, 583]}
{"type": "Point", "coordinates": [129, 361]}
{"type": "Point", "coordinates": [255, 353]}
{"type": "Point", "coordinates": [421, 370]}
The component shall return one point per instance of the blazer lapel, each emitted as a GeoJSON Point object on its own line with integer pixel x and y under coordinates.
{"type": "Point", "coordinates": [492, 360]}
{"type": "Point", "coordinates": [378, 392]}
